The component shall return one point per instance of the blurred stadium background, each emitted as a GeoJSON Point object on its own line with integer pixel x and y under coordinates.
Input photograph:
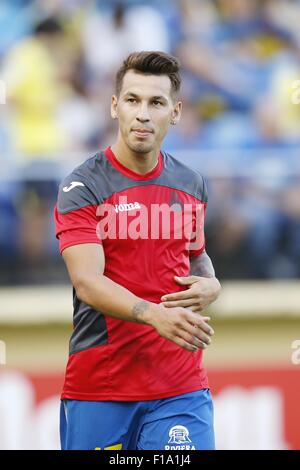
{"type": "Point", "coordinates": [240, 127]}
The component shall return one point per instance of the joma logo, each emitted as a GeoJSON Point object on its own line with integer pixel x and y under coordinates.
{"type": "Point", "coordinates": [127, 207]}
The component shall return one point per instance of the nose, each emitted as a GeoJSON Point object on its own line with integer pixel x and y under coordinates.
{"type": "Point", "coordinates": [143, 113]}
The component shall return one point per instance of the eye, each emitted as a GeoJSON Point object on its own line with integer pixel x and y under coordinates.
{"type": "Point", "coordinates": [131, 100]}
{"type": "Point", "coordinates": [157, 103]}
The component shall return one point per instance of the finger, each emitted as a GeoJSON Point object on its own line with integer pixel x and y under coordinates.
{"type": "Point", "coordinates": [206, 318]}
{"type": "Point", "coordinates": [184, 344]}
{"type": "Point", "coordinates": [182, 295]}
{"type": "Point", "coordinates": [203, 339]}
{"type": "Point", "coordinates": [195, 309]}
{"type": "Point", "coordinates": [202, 344]}
{"type": "Point", "coordinates": [195, 335]}
{"type": "Point", "coordinates": [189, 346]}
{"type": "Point", "coordinates": [200, 341]}
{"type": "Point", "coordinates": [198, 306]}
{"type": "Point", "coordinates": [187, 280]}
{"type": "Point", "coordinates": [181, 303]}
{"type": "Point", "coordinates": [206, 328]}
{"type": "Point", "coordinates": [198, 309]}
{"type": "Point", "coordinates": [198, 321]}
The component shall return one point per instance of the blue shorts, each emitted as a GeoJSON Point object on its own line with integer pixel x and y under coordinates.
{"type": "Point", "coordinates": [184, 422]}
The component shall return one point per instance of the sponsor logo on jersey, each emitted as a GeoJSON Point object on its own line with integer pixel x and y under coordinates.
{"type": "Point", "coordinates": [73, 185]}
{"type": "Point", "coordinates": [127, 207]}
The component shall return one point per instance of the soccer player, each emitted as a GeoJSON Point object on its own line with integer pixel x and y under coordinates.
{"type": "Point", "coordinates": [130, 222]}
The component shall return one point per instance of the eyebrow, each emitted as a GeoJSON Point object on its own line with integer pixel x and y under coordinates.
{"type": "Point", "coordinates": [158, 97]}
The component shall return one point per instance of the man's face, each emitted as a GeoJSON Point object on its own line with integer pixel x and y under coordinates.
{"type": "Point", "coordinates": [145, 109]}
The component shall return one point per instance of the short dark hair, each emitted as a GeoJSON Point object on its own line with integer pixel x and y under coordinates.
{"type": "Point", "coordinates": [151, 63]}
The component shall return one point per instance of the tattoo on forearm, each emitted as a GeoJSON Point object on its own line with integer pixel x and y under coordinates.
{"type": "Point", "coordinates": [202, 266]}
{"type": "Point", "coordinates": [138, 309]}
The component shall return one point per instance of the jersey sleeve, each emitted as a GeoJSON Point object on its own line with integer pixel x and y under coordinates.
{"type": "Point", "coordinates": [75, 214]}
{"type": "Point", "coordinates": [197, 243]}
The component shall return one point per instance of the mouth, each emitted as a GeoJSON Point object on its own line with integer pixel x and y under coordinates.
{"type": "Point", "coordinates": [143, 133]}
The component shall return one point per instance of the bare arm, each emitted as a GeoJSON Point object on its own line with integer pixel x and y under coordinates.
{"type": "Point", "coordinates": [201, 266]}
{"type": "Point", "coordinates": [203, 287]}
{"type": "Point", "coordinates": [86, 264]}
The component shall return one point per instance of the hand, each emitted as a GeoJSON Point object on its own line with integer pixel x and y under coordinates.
{"type": "Point", "coordinates": [188, 330]}
{"type": "Point", "coordinates": [201, 292]}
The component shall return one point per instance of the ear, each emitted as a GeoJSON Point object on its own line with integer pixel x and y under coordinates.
{"type": "Point", "coordinates": [114, 107]}
{"type": "Point", "coordinates": [176, 113]}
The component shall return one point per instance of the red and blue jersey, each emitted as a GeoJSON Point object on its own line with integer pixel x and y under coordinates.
{"type": "Point", "coordinates": [149, 226]}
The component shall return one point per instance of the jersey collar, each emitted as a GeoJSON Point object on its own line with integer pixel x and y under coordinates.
{"type": "Point", "coordinates": [156, 171]}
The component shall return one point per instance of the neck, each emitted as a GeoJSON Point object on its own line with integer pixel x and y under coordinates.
{"type": "Point", "coordinates": [140, 163]}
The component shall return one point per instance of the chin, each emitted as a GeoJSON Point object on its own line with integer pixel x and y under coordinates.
{"type": "Point", "coordinates": [141, 147]}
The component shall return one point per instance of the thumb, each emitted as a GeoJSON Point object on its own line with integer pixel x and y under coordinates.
{"type": "Point", "coordinates": [185, 280]}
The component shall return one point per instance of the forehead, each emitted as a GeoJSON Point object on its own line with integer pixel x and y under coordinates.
{"type": "Point", "coordinates": [146, 85]}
